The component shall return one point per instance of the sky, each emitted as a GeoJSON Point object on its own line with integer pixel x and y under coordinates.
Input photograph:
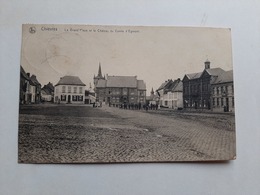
{"type": "Point", "coordinates": [153, 54]}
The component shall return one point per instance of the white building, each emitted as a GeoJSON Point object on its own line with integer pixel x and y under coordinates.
{"type": "Point", "coordinates": [69, 89]}
{"type": "Point", "coordinates": [170, 93]}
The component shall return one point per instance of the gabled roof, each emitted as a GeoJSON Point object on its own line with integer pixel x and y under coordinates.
{"type": "Point", "coordinates": [215, 71]}
{"type": "Point", "coordinates": [121, 81]}
{"type": "Point", "coordinates": [172, 85]}
{"type": "Point", "coordinates": [34, 80]}
{"type": "Point", "coordinates": [50, 86]}
{"type": "Point", "coordinates": [225, 77]}
{"type": "Point", "coordinates": [178, 87]}
{"type": "Point", "coordinates": [70, 80]}
{"type": "Point", "coordinates": [46, 91]}
{"type": "Point", "coordinates": [194, 75]}
{"type": "Point", "coordinates": [23, 73]}
{"type": "Point", "coordinates": [165, 84]}
{"type": "Point", "coordinates": [49, 89]}
{"type": "Point", "coordinates": [141, 85]}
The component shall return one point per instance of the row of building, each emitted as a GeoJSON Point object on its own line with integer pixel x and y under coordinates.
{"type": "Point", "coordinates": [69, 89]}
{"type": "Point", "coordinates": [210, 89]}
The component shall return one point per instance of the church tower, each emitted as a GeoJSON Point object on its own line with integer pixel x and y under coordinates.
{"type": "Point", "coordinates": [99, 76]}
{"type": "Point", "coordinates": [152, 94]}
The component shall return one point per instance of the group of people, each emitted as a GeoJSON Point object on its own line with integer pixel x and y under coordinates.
{"type": "Point", "coordinates": [138, 106]}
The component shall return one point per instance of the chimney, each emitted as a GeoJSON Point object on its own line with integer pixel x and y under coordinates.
{"type": "Point", "coordinates": [207, 64]}
{"type": "Point", "coordinates": [28, 74]}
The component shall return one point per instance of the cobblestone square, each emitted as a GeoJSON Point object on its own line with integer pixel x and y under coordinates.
{"type": "Point", "coordinates": [51, 133]}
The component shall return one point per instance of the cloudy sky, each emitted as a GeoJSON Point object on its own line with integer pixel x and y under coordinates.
{"type": "Point", "coordinates": [154, 54]}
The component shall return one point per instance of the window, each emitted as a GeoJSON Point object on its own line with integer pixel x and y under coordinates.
{"type": "Point", "coordinates": [165, 103]}
{"type": "Point", "coordinates": [63, 97]}
{"type": "Point", "coordinates": [226, 89]}
{"type": "Point", "coordinates": [75, 89]}
{"type": "Point", "coordinates": [63, 89]}
{"type": "Point", "coordinates": [233, 101]}
{"type": "Point", "coordinates": [217, 101]}
{"type": "Point", "coordinates": [69, 89]}
{"type": "Point", "coordinates": [222, 102]}
{"type": "Point", "coordinates": [80, 89]}
{"type": "Point", "coordinates": [217, 90]}
{"type": "Point", "coordinates": [74, 98]}
{"type": "Point", "coordinates": [213, 101]}
{"type": "Point", "coordinates": [124, 91]}
{"type": "Point", "coordinates": [80, 98]}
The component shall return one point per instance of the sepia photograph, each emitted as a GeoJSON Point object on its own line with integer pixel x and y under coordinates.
{"type": "Point", "coordinates": [123, 94]}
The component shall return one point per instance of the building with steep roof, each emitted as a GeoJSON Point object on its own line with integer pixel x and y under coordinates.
{"type": "Point", "coordinates": [37, 91]}
{"type": "Point", "coordinates": [117, 90]}
{"type": "Point", "coordinates": [24, 84]}
{"type": "Point", "coordinates": [222, 97]}
{"type": "Point", "coordinates": [69, 89]}
{"type": "Point", "coordinates": [197, 87]}
{"type": "Point", "coordinates": [30, 88]}
{"type": "Point", "coordinates": [47, 93]}
{"type": "Point", "coordinates": [170, 93]}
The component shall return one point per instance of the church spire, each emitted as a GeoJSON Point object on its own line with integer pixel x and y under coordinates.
{"type": "Point", "coordinates": [152, 92]}
{"type": "Point", "coordinates": [99, 71]}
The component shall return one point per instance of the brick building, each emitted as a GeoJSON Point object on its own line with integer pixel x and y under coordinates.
{"type": "Point", "coordinates": [117, 90]}
{"type": "Point", "coordinates": [197, 87]}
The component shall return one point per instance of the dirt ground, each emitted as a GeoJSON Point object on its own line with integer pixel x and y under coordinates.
{"type": "Point", "coordinates": [51, 133]}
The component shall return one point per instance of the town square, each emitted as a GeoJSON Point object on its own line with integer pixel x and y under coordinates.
{"type": "Point", "coordinates": [76, 134]}
{"type": "Point", "coordinates": [101, 112]}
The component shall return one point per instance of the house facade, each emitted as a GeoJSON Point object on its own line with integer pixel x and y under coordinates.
{"type": "Point", "coordinates": [162, 93]}
{"type": "Point", "coordinates": [69, 89]}
{"type": "Point", "coordinates": [198, 88]}
{"type": "Point", "coordinates": [118, 90]}
{"type": "Point", "coordinates": [24, 83]}
{"type": "Point", "coordinates": [170, 93]}
{"type": "Point", "coordinates": [30, 88]}
{"type": "Point", "coordinates": [36, 90]}
{"type": "Point", "coordinates": [223, 93]}
{"type": "Point", "coordinates": [47, 93]}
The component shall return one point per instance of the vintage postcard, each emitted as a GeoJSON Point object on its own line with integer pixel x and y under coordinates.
{"type": "Point", "coordinates": [113, 94]}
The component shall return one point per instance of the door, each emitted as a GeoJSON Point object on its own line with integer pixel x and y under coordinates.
{"type": "Point", "coordinates": [227, 104]}
{"type": "Point", "coordinates": [69, 99]}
